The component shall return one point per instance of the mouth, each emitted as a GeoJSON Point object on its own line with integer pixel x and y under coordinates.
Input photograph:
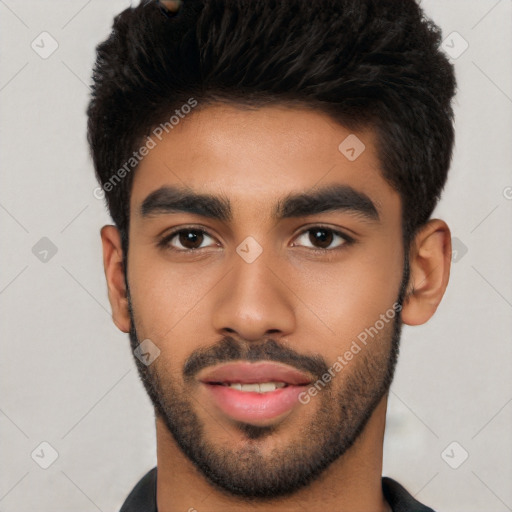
{"type": "Point", "coordinates": [257, 393]}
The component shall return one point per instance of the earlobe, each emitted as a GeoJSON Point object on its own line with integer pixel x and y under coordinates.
{"type": "Point", "coordinates": [430, 260]}
{"type": "Point", "coordinates": [114, 274]}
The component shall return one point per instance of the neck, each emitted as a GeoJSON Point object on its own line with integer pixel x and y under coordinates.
{"type": "Point", "coordinates": [352, 483]}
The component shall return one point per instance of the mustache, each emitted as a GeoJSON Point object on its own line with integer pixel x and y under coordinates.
{"type": "Point", "coordinates": [230, 350]}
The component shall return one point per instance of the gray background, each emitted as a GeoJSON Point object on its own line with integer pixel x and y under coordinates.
{"type": "Point", "coordinates": [67, 374]}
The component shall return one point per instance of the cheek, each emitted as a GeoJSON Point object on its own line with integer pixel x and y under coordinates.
{"type": "Point", "coordinates": [350, 296]}
{"type": "Point", "coordinates": [168, 301]}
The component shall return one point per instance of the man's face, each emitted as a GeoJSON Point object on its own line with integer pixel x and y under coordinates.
{"type": "Point", "coordinates": [260, 288]}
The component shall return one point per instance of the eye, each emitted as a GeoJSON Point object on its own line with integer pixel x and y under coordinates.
{"type": "Point", "coordinates": [317, 238]}
{"type": "Point", "coordinates": [320, 238]}
{"type": "Point", "coordinates": [185, 240]}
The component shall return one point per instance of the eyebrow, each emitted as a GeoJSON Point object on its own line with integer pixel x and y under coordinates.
{"type": "Point", "coordinates": [173, 199]}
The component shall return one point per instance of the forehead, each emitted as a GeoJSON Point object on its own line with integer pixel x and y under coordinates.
{"type": "Point", "coordinates": [255, 157]}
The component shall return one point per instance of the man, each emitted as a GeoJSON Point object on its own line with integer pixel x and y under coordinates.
{"type": "Point", "coordinates": [271, 169]}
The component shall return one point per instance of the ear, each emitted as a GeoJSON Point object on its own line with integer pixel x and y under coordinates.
{"type": "Point", "coordinates": [113, 264]}
{"type": "Point", "coordinates": [430, 259]}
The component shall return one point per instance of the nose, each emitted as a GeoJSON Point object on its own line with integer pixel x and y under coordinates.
{"type": "Point", "coordinates": [254, 300]}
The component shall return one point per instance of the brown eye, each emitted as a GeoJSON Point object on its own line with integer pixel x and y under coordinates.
{"type": "Point", "coordinates": [321, 238]}
{"type": "Point", "coordinates": [185, 240]}
{"type": "Point", "coordinates": [190, 239]}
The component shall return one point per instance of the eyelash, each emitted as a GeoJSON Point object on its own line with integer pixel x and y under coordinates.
{"type": "Point", "coordinates": [165, 242]}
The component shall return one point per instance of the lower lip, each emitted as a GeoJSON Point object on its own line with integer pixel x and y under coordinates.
{"type": "Point", "coordinates": [253, 407]}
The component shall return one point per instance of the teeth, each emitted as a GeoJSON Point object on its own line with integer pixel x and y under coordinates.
{"type": "Point", "coordinates": [263, 387]}
{"type": "Point", "coordinates": [267, 386]}
{"type": "Point", "coordinates": [250, 387]}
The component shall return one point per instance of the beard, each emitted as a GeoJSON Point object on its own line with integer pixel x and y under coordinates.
{"type": "Point", "coordinates": [247, 472]}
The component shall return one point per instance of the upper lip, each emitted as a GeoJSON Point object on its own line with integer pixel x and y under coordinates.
{"type": "Point", "coordinates": [251, 373]}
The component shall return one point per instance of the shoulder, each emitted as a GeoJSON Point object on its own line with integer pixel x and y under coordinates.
{"type": "Point", "coordinates": [399, 498]}
{"type": "Point", "coordinates": [142, 498]}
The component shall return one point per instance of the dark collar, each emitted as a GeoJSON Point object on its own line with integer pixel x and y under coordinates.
{"type": "Point", "coordinates": [143, 496]}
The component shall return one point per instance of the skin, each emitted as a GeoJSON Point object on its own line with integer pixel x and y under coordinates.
{"type": "Point", "coordinates": [315, 304]}
{"type": "Point", "coordinates": [171, 5]}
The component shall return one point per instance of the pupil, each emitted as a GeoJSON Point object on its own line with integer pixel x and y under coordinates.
{"type": "Point", "coordinates": [323, 237]}
{"type": "Point", "coordinates": [191, 238]}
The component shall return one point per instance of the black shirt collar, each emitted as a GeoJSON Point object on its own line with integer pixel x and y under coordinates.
{"type": "Point", "coordinates": [143, 496]}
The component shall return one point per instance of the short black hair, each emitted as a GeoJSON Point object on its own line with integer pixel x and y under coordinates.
{"type": "Point", "coordinates": [365, 63]}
